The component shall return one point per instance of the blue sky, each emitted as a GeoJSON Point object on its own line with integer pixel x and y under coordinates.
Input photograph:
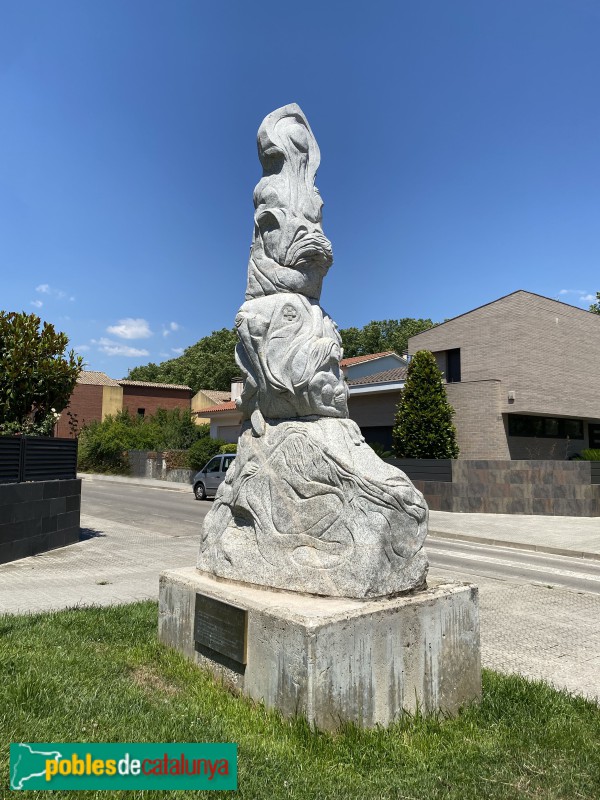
{"type": "Point", "coordinates": [460, 158]}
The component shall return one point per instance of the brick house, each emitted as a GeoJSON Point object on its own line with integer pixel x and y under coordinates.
{"type": "Point", "coordinates": [97, 396]}
{"type": "Point", "coordinates": [523, 375]}
{"type": "Point", "coordinates": [140, 397]}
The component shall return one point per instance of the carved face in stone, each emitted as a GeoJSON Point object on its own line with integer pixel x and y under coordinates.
{"type": "Point", "coordinates": [290, 252]}
{"type": "Point", "coordinates": [295, 371]}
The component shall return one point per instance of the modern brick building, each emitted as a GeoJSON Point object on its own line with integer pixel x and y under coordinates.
{"type": "Point", "coordinates": [523, 375]}
{"type": "Point", "coordinates": [97, 396]}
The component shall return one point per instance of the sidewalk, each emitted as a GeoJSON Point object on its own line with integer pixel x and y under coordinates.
{"type": "Point", "coordinates": [578, 537]}
{"type": "Point", "coordinates": [172, 486]}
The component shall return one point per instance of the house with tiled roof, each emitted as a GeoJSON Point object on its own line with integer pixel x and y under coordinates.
{"type": "Point", "coordinates": [97, 396]}
{"type": "Point", "coordinates": [208, 398]}
{"type": "Point", "coordinates": [374, 382]}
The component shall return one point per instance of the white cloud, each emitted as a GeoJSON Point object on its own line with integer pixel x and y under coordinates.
{"type": "Point", "coordinates": [130, 328]}
{"type": "Point", "coordinates": [81, 348]}
{"type": "Point", "coordinates": [178, 350]}
{"type": "Point", "coordinates": [37, 303]}
{"type": "Point", "coordinates": [45, 288]}
{"type": "Point", "coordinates": [582, 296]}
{"type": "Point", "coordinates": [117, 349]}
{"type": "Point", "coordinates": [170, 328]}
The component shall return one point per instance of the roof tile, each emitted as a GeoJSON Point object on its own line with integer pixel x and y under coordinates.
{"type": "Point", "coordinates": [89, 377]}
{"type": "Point", "coordinates": [230, 406]}
{"type": "Point", "coordinates": [347, 362]}
{"type": "Point", "coordinates": [153, 385]}
{"type": "Point", "coordinates": [387, 376]}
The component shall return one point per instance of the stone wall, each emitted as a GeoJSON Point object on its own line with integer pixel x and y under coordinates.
{"type": "Point", "coordinates": [35, 517]}
{"type": "Point", "coordinates": [561, 488]}
{"type": "Point", "coordinates": [152, 464]}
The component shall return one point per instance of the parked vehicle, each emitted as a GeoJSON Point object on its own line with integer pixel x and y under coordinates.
{"type": "Point", "coordinates": [211, 476]}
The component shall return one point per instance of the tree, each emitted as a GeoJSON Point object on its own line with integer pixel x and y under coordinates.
{"type": "Point", "coordinates": [208, 364]}
{"type": "Point", "coordinates": [423, 426]}
{"type": "Point", "coordinates": [102, 444]}
{"type": "Point", "coordinates": [36, 376]}
{"type": "Point", "coordinates": [381, 336]}
{"type": "Point", "coordinates": [595, 307]}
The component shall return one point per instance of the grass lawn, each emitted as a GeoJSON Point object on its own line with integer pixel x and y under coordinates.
{"type": "Point", "coordinates": [100, 675]}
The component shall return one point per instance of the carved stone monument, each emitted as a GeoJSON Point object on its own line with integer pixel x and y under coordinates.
{"type": "Point", "coordinates": [308, 507]}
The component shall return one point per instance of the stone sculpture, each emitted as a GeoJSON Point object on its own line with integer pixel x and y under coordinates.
{"type": "Point", "coordinates": [307, 505]}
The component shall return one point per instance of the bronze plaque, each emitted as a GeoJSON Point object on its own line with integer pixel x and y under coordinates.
{"type": "Point", "coordinates": [221, 627]}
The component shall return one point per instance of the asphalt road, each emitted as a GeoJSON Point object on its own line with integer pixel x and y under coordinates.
{"type": "Point", "coordinates": [177, 513]}
{"type": "Point", "coordinates": [168, 511]}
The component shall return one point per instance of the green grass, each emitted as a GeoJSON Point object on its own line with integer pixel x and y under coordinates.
{"type": "Point", "coordinates": [101, 675]}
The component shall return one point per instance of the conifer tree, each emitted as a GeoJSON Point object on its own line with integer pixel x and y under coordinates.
{"type": "Point", "coordinates": [423, 425]}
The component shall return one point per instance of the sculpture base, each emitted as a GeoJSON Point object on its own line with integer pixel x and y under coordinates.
{"type": "Point", "coordinates": [332, 659]}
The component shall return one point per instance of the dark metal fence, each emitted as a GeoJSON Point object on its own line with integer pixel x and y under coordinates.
{"type": "Point", "coordinates": [36, 458]}
{"type": "Point", "coordinates": [424, 469]}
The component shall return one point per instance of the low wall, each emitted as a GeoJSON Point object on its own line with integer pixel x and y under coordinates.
{"type": "Point", "coordinates": [153, 464]}
{"type": "Point", "coordinates": [560, 488]}
{"type": "Point", "coordinates": [40, 516]}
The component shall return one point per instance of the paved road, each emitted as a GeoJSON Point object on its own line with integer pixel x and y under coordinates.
{"type": "Point", "coordinates": [540, 614]}
{"type": "Point", "coordinates": [169, 511]}
{"type": "Point", "coordinates": [474, 561]}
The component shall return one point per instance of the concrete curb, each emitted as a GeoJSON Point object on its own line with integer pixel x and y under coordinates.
{"type": "Point", "coordinates": [536, 548]}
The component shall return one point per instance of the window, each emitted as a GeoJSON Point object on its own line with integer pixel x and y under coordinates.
{"type": "Point", "coordinates": [214, 465]}
{"type": "Point", "coordinates": [453, 365]}
{"type": "Point", "coordinates": [227, 462]}
{"type": "Point", "coordinates": [141, 412]}
{"type": "Point", "coordinates": [544, 427]}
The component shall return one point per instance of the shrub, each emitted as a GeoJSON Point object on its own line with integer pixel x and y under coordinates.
{"type": "Point", "coordinates": [423, 426]}
{"type": "Point", "coordinates": [101, 450]}
{"type": "Point", "coordinates": [203, 450]}
{"type": "Point", "coordinates": [228, 448]}
{"type": "Point", "coordinates": [380, 449]}
{"type": "Point", "coordinates": [176, 459]}
{"type": "Point", "coordinates": [590, 455]}
{"type": "Point", "coordinates": [174, 429]}
{"type": "Point", "coordinates": [101, 444]}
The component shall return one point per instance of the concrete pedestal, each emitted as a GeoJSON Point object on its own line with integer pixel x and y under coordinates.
{"type": "Point", "coordinates": [335, 660]}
